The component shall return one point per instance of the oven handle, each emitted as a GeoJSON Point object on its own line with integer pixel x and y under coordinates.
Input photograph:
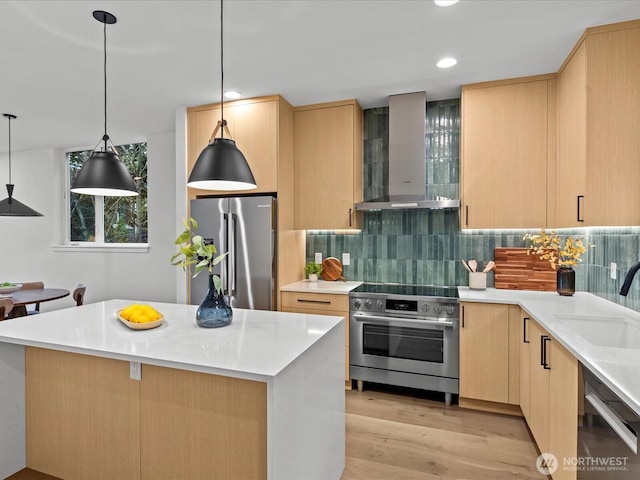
{"type": "Point", "coordinates": [612, 419]}
{"type": "Point", "coordinates": [374, 318]}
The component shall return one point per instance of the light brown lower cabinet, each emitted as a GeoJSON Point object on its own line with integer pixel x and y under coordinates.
{"type": "Point", "coordinates": [489, 357]}
{"type": "Point", "coordinates": [87, 419]}
{"type": "Point", "coordinates": [496, 341]}
{"type": "Point", "coordinates": [550, 400]}
{"type": "Point", "coordinates": [321, 304]}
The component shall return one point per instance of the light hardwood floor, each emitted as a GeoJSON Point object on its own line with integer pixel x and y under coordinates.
{"type": "Point", "coordinates": [398, 434]}
{"type": "Point", "coordinates": [405, 435]}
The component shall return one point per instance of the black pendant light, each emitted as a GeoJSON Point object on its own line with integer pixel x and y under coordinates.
{"type": "Point", "coordinates": [104, 174]}
{"type": "Point", "coordinates": [10, 207]}
{"type": "Point", "coordinates": [221, 165]}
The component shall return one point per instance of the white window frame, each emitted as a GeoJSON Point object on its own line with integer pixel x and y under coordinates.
{"type": "Point", "coordinates": [99, 245]}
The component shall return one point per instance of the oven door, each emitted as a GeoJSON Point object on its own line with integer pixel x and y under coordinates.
{"type": "Point", "coordinates": [426, 346]}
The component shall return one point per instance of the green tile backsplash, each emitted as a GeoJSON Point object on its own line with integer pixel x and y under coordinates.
{"type": "Point", "coordinates": [425, 246]}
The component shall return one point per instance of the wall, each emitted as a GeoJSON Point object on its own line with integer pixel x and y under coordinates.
{"type": "Point", "coordinates": [26, 243]}
{"type": "Point", "coordinates": [425, 247]}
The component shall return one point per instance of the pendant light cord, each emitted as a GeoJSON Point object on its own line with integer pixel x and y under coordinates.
{"type": "Point", "coordinates": [106, 137]}
{"type": "Point", "coordinates": [222, 67]}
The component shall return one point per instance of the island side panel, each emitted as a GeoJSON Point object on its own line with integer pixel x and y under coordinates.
{"type": "Point", "coordinates": [307, 413]}
{"type": "Point", "coordinates": [13, 454]}
{"type": "Point", "coordinates": [201, 426]}
{"type": "Point", "coordinates": [83, 416]}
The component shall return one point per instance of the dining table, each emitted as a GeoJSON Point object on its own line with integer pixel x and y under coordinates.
{"type": "Point", "coordinates": [25, 297]}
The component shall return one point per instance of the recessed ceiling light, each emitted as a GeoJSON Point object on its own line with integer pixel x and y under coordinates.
{"type": "Point", "coordinates": [446, 62]}
{"type": "Point", "coordinates": [445, 3]}
{"type": "Point", "coordinates": [232, 95]}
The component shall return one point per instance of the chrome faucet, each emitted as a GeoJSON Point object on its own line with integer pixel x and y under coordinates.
{"type": "Point", "coordinates": [628, 279]}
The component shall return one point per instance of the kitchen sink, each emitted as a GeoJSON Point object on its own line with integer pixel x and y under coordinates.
{"type": "Point", "coordinates": [617, 332]}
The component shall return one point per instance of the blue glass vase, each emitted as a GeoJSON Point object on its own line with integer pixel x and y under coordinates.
{"type": "Point", "coordinates": [213, 312]}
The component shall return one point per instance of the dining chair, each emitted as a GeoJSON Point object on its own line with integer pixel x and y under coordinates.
{"type": "Point", "coordinates": [78, 294]}
{"type": "Point", "coordinates": [6, 305]}
{"type": "Point", "coordinates": [33, 285]}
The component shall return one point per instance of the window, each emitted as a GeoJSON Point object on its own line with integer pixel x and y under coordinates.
{"type": "Point", "coordinates": [110, 219]}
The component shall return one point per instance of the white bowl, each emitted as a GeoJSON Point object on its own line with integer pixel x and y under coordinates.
{"type": "Point", "coordinates": [141, 326]}
{"type": "Point", "coordinates": [14, 288]}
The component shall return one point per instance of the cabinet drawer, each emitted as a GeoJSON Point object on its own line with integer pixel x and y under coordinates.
{"type": "Point", "coordinates": [315, 301]}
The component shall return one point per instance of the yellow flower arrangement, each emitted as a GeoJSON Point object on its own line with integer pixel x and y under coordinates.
{"type": "Point", "coordinates": [547, 246]}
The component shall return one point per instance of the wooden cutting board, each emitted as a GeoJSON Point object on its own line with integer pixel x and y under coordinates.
{"type": "Point", "coordinates": [515, 270]}
{"type": "Point", "coordinates": [332, 269]}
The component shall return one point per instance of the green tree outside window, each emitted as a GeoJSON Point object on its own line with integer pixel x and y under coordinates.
{"type": "Point", "coordinates": [124, 219]}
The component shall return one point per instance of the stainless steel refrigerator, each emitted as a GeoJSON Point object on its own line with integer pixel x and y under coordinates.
{"type": "Point", "coordinates": [246, 228]}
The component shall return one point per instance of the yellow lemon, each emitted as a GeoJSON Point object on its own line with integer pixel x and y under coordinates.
{"type": "Point", "coordinates": [126, 314]}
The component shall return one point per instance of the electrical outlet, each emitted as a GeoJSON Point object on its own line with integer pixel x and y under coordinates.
{"type": "Point", "coordinates": [135, 371]}
{"type": "Point", "coordinates": [318, 258]}
{"type": "Point", "coordinates": [346, 258]}
{"type": "Point", "coordinates": [614, 271]}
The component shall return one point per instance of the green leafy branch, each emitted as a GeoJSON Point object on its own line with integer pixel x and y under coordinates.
{"type": "Point", "coordinates": [194, 251]}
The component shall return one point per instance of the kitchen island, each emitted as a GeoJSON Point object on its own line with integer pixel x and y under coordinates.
{"type": "Point", "coordinates": [84, 396]}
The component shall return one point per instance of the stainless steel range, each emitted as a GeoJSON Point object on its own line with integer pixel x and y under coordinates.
{"type": "Point", "coordinates": [406, 335]}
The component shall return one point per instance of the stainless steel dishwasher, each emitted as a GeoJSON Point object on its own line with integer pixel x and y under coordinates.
{"type": "Point", "coordinates": [607, 434]}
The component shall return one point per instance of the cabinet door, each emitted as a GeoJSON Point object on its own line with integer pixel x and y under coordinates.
{"type": "Point", "coordinates": [613, 117]}
{"type": "Point", "coordinates": [538, 419]}
{"type": "Point", "coordinates": [256, 135]}
{"type": "Point", "coordinates": [514, 355]}
{"type": "Point", "coordinates": [484, 352]}
{"type": "Point", "coordinates": [563, 407]}
{"type": "Point", "coordinates": [197, 425]}
{"type": "Point", "coordinates": [572, 142]}
{"type": "Point", "coordinates": [253, 126]}
{"type": "Point", "coordinates": [82, 416]}
{"type": "Point", "coordinates": [325, 162]}
{"type": "Point", "coordinates": [504, 156]}
{"type": "Point", "coordinates": [525, 363]}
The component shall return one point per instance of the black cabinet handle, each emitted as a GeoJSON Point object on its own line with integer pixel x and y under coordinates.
{"type": "Point", "coordinates": [524, 329]}
{"type": "Point", "coordinates": [580, 197]}
{"type": "Point", "coordinates": [350, 222]}
{"type": "Point", "coordinates": [544, 339]}
{"type": "Point", "coordinates": [462, 317]}
{"type": "Point", "coordinates": [466, 215]}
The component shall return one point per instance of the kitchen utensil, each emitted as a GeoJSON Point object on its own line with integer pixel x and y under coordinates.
{"type": "Point", "coordinates": [489, 266]}
{"type": "Point", "coordinates": [515, 270]}
{"type": "Point", "coordinates": [473, 265]}
{"type": "Point", "coordinates": [477, 281]}
{"type": "Point", "coordinates": [466, 266]}
{"type": "Point", "coordinates": [332, 269]}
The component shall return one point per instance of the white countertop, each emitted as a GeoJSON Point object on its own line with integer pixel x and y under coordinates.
{"type": "Point", "coordinates": [321, 286]}
{"type": "Point", "coordinates": [570, 320]}
{"type": "Point", "coordinates": [257, 345]}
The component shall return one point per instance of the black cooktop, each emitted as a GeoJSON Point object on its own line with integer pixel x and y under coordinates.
{"type": "Point", "coordinates": [404, 289]}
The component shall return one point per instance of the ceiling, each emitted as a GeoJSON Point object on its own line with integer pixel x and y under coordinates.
{"type": "Point", "coordinates": [165, 54]}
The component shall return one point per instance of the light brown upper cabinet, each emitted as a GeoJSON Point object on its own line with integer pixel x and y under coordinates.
{"type": "Point", "coordinates": [328, 165]}
{"type": "Point", "coordinates": [263, 130]}
{"type": "Point", "coordinates": [507, 129]}
{"type": "Point", "coordinates": [598, 169]}
{"type": "Point", "coordinates": [253, 125]}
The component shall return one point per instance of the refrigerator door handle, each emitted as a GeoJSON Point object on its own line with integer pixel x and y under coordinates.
{"type": "Point", "coordinates": [224, 265]}
{"type": "Point", "coordinates": [231, 233]}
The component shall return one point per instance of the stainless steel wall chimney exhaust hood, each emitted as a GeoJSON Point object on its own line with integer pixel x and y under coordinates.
{"type": "Point", "coordinates": [407, 159]}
